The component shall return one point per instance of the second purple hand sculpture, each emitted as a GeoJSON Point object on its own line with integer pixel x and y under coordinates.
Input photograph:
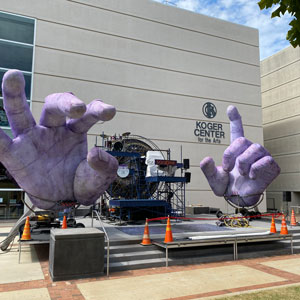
{"type": "Point", "coordinates": [247, 169]}
{"type": "Point", "coordinates": [50, 161]}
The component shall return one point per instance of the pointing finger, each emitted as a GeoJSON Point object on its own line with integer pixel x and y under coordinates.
{"type": "Point", "coordinates": [236, 125]}
{"type": "Point", "coordinates": [15, 103]}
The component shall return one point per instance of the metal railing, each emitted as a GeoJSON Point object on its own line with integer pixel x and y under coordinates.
{"type": "Point", "coordinates": [106, 237]}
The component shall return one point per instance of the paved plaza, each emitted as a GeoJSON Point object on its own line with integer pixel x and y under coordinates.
{"type": "Point", "coordinates": [30, 279]}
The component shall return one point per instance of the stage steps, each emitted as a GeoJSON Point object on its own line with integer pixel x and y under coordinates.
{"type": "Point", "coordinates": [130, 255]}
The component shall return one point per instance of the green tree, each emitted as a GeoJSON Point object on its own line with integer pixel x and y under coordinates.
{"type": "Point", "coordinates": [290, 6]}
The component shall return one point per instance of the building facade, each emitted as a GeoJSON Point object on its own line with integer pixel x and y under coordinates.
{"type": "Point", "coordinates": [280, 84]}
{"type": "Point", "coordinates": [170, 73]}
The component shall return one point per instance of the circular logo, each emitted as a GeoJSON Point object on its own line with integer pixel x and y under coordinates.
{"type": "Point", "coordinates": [209, 110]}
{"type": "Point", "coordinates": [123, 171]}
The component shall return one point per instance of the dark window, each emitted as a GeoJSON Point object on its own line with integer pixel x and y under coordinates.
{"type": "Point", "coordinates": [15, 28]}
{"type": "Point", "coordinates": [16, 56]}
{"type": "Point", "coordinates": [16, 52]}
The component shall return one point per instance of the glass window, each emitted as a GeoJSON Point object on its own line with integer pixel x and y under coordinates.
{"type": "Point", "coordinates": [6, 180]}
{"type": "Point", "coordinates": [16, 48]}
{"type": "Point", "coordinates": [16, 56]}
{"type": "Point", "coordinates": [3, 118]}
{"type": "Point", "coordinates": [15, 28]}
{"type": "Point", "coordinates": [16, 52]}
{"type": "Point", "coordinates": [8, 132]}
{"type": "Point", "coordinates": [11, 204]}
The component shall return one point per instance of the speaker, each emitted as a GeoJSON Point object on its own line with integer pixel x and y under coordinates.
{"type": "Point", "coordinates": [187, 176]}
{"type": "Point", "coordinates": [287, 196]}
{"type": "Point", "coordinates": [186, 163]}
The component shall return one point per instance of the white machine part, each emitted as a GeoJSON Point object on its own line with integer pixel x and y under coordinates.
{"type": "Point", "coordinates": [168, 170]}
{"type": "Point", "coordinates": [152, 168]}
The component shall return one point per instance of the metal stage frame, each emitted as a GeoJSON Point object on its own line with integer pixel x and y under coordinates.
{"type": "Point", "coordinates": [233, 240]}
{"type": "Point", "coordinates": [172, 191]}
{"type": "Point", "coordinates": [132, 192]}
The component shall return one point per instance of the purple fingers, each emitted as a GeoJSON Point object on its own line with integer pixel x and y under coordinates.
{"type": "Point", "coordinates": [101, 169]}
{"type": "Point", "coordinates": [15, 104]}
{"type": "Point", "coordinates": [216, 177]}
{"type": "Point", "coordinates": [237, 147]}
{"type": "Point", "coordinates": [101, 160]}
{"type": "Point", "coordinates": [266, 168]}
{"type": "Point", "coordinates": [247, 168]}
{"type": "Point", "coordinates": [96, 111]}
{"type": "Point", "coordinates": [250, 156]}
{"type": "Point", "coordinates": [59, 106]}
{"type": "Point", "coordinates": [236, 126]}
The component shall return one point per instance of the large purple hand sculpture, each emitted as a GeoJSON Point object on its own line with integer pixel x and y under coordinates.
{"type": "Point", "coordinates": [50, 161]}
{"type": "Point", "coordinates": [247, 168]}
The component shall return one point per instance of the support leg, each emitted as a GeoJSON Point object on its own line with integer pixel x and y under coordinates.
{"type": "Point", "coordinates": [19, 251]}
{"type": "Point", "coordinates": [167, 257]}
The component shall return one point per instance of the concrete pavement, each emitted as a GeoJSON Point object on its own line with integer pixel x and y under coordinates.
{"type": "Point", "coordinates": [31, 280]}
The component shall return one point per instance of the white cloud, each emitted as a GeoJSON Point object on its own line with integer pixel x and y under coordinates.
{"type": "Point", "coordinates": [188, 4]}
{"type": "Point", "coordinates": [272, 32]}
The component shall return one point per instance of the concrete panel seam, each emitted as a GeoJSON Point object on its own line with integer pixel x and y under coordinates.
{"type": "Point", "coordinates": [163, 23]}
{"type": "Point", "coordinates": [279, 85]}
{"type": "Point", "coordinates": [280, 68]}
{"type": "Point", "coordinates": [148, 42]}
{"type": "Point", "coordinates": [283, 136]}
{"type": "Point", "coordinates": [148, 66]}
{"type": "Point", "coordinates": [282, 154]}
{"type": "Point", "coordinates": [282, 119]}
{"type": "Point", "coordinates": [281, 173]}
{"type": "Point", "coordinates": [283, 101]}
{"type": "Point", "coordinates": [144, 89]}
{"type": "Point", "coordinates": [166, 116]}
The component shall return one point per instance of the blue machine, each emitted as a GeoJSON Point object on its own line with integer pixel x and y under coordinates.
{"type": "Point", "coordinates": [133, 196]}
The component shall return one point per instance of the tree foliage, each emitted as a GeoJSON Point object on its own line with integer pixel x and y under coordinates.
{"type": "Point", "coordinates": [290, 6]}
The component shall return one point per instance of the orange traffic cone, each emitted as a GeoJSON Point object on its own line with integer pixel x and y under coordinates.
{"type": "Point", "coordinates": [146, 238]}
{"type": "Point", "coordinates": [283, 226]}
{"type": "Point", "coordinates": [168, 236]}
{"type": "Point", "coordinates": [26, 236]}
{"type": "Point", "coordinates": [293, 219]}
{"type": "Point", "coordinates": [273, 227]}
{"type": "Point", "coordinates": [64, 223]}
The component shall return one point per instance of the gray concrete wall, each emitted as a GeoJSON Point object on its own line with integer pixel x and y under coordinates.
{"type": "Point", "coordinates": [157, 64]}
{"type": "Point", "coordinates": [280, 84]}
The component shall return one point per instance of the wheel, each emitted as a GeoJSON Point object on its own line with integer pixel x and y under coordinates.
{"type": "Point", "coordinates": [71, 223]}
{"type": "Point", "coordinates": [79, 225]}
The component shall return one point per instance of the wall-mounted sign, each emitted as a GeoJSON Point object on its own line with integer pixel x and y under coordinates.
{"type": "Point", "coordinates": [209, 132]}
{"type": "Point", "coordinates": [209, 110]}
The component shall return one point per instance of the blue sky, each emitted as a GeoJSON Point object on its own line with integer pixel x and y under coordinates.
{"type": "Point", "coordinates": [272, 32]}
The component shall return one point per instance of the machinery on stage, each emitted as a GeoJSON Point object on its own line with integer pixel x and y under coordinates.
{"type": "Point", "coordinates": [148, 184]}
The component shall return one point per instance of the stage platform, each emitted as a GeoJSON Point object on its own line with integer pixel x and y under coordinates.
{"type": "Point", "coordinates": [180, 228]}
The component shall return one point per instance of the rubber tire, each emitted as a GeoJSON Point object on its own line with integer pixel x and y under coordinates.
{"type": "Point", "coordinates": [79, 225]}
